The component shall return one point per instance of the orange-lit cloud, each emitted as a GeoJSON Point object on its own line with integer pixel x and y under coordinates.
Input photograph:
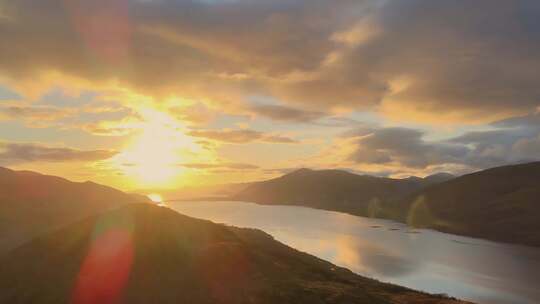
{"type": "Point", "coordinates": [319, 54]}
{"type": "Point", "coordinates": [433, 85]}
{"type": "Point", "coordinates": [13, 153]}
{"type": "Point", "coordinates": [241, 136]}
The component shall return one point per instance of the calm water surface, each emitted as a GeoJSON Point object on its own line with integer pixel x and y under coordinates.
{"type": "Point", "coordinates": [467, 268]}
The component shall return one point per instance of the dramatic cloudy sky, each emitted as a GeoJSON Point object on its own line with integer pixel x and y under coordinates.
{"type": "Point", "coordinates": [166, 93]}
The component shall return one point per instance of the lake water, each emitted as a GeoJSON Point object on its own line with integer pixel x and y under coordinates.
{"type": "Point", "coordinates": [472, 269]}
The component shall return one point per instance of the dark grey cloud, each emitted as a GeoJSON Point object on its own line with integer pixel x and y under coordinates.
{"type": "Point", "coordinates": [14, 153]}
{"type": "Point", "coordinates": [458, 60]}
{"type": "Point", "coordinates": [287, 114]}
{"type": "Point", "coordinates": [241, 136]}
{"type": "Point", "coordinates": [513, 140]}
{"type": "Point", "coordinates": [284, 113]}
{"type": "Point", "coordinates": [527, 149]}
{"type": "Point", "coordinates": [527, 121]}
{"type": "Point", "coordinates": [491, 136]}
{"type": "Point", "coordinates": [405, 147]}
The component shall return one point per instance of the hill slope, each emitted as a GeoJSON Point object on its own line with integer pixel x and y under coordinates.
{"type": "Point", "coordinates": [501, 204]}
{"type": "Point", "coordinates": [142, 253]}
{"type": "Point", "coordinates": [31, 203]}
{"type": "Point", "coordinates": [334, 190]}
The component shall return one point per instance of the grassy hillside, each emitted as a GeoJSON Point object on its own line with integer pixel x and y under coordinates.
{"type": "Point", "coordinates": [142, 253]}
{"type": "Point", "coordinates": [334, 190]}
{"type": "Point", "coordinates": [31, 203]}
{"type": "Point", "coordinates": [501, 204]}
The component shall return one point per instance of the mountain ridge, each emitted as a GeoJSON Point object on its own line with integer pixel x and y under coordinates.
{"type": "Point", "coordinates": [161, 256]}
{"type": "Point", "coordinates": [497, 203]}
{"type": "Point", "coordinates": [336, 190]}
{"type": "Point", "coordinates": [32, 203]}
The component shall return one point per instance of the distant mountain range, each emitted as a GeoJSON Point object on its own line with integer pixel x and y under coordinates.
{"type": "Point", "coordinates": [32, 203]}
{"type": "Point", "coordinates": [500, 204]}
{"type": "Point", "coordinates": [142, 253]}
{"type": "Point", "coordinates": [335, 190]}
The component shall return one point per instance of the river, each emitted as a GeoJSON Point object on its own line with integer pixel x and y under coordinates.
{"type": "Point", "coordinates": [472, 269]}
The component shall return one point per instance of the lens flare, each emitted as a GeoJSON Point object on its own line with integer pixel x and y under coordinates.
{"type": "Point", "coordinates": [106, 268]}
{"type": "Point", "coordinates": [104, 27]}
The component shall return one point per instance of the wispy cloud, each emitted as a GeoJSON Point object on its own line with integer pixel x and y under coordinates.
{"type": "Point", "coordinates": [34, 115]}
{"type": "Point", "coordinates": [241, 136]}
{"type": "Point", "coordinates": [234, 166]}
{"type": "Point", "coordinates": [15, 153]}
{"type": "Point", "coordinates": [284, 113]}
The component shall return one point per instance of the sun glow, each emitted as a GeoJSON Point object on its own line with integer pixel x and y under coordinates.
{"type": "Point", "coordinates": [152, 158]}
{"type": "Point", "coordinates": [156, 198]}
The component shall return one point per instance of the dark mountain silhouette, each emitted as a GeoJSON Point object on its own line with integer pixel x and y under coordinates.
{"type": "Point", "coordinates": [501, 204]}
{"type": "Point", "coordinates": [200, 192]}
{"type": "Point", "coordinates": [335, 190]}
{"type": "Point", "coordinates": [437, 178]}
{"type": "Point", "coordinates": [32, 203]}
{"type": "Point", "coordinates": [141, 253]}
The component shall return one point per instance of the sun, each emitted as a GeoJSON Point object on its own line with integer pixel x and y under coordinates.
{"type": "Point", "coordinates": [156, 198]}
{"type": "Point", "coordinates": [154, 155]}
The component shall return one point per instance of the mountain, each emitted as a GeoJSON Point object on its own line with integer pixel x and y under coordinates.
{"type": "Point", "coordinates": [501, 204]}
{"type": "Point", "coordinates": [201, 192]}
{"type": "Point", "coordinates": [437, 178]}
{"type": "Point", "coordinates": [142, 253]}
{"type": "Point", "coordinates": [31, 203]}
{"type": "Point", "coordinates": [335, 190]}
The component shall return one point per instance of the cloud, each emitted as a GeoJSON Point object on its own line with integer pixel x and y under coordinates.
{"type": "Point", "coordinates": [14, 153]}
{"type": "Point", "coordinates": [295, 115]}
{"type": "Point", "coordinates": [405, 147]}
{"type": "Point", "coordinates": [97, 117]}
{"type": "Point", "coordinates": [508, 141]}
{"type": "Point", "coordinates": [284, 113]}
{"type": "Point", "coordinates": [512, 140]}
{"type": "Point", "coordinates": [278, 139]}
{"type": "Point", "coordinates": [240, 136]}
{"type": "Point", "coordinates": [313, 63]}
{"type": "Point", "coordinates": [196, 114]}
{"type": "Point", "coordinates": [459, 59]}
{"type": "Point", "coordinates": [474, 61]}
{"type": "Point", "coordinates": [35, 116]}
{"type": "Point", "coordinates": [125, 125]}
{"type": "Point", "coordinates": [527, 148]}
{"type": "Point", "coordinates": [107, 129]}
{"type": "Point", "coordinates": [233, 166]}
{"type": "Point", "coordinates": [527, 121]}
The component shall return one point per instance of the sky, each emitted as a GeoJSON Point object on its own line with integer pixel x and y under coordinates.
{"type": "Point", "coordinates": [174, 93]}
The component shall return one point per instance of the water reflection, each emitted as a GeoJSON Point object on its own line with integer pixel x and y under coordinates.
{"type": "Point", "coordinates": [472, 269]}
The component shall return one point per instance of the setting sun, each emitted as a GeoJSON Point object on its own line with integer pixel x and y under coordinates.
{"type": "Point", "coordinates": [156, 198]}
{"type": "Point", "coordinates": [154, 155]}
{"type": "Point", "coordinates": [366, 133]}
